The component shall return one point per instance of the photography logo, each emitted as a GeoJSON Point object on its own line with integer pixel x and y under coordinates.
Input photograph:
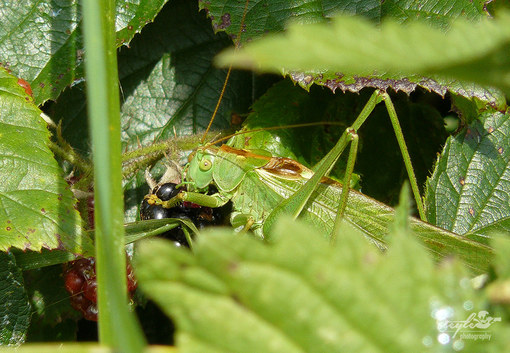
{"type": "Point", "coordinates": [475, 327]}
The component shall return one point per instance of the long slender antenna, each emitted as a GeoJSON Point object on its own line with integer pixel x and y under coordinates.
{"type": "Point", "coordinates": [238, 41]}
{"type": "Point", "coordinates": [291, 126]}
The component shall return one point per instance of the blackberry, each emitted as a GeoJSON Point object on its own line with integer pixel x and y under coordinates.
{"type": "Point", "coordinates": [148, 211]}
{"type": "Point", "coordinates": [201, 216]}
{"type": "Point", "coordinates": [166, 191]}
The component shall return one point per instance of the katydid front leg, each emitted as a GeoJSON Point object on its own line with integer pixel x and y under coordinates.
{"type": "Point", "coordinates": [295, 204]}
{"type": "Point", "coordinates": [216, 200]}
{"type": "Point", "coordinates": [219, 199]}
{"type": "Point", "coordinates": [212, 201]}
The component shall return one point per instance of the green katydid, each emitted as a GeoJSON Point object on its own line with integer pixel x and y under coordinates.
{"type": "Point", "coordinates": [262, 187]}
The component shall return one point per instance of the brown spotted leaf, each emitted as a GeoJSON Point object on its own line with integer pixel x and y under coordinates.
{"type": "Point", "coordinates": [469, 191]}
{"type": "Point", "coordinates": [36, 206]}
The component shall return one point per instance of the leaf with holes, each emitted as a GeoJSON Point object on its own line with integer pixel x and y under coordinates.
{"type": "Point", "coordinates": [42, 40]}
{"type": "Point", "coordinates": [302, 295]}
{"type": "Point", "coordinates": [36, 205]}
{"type": "Point", "coordinates": [469, 191]}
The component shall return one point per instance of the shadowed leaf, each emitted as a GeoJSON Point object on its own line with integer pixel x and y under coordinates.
{"type": "Point", "coordinates": [37, 207]}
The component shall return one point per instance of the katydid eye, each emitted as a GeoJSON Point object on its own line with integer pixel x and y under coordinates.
{"type": "Point", "coordinates": [205, 165]}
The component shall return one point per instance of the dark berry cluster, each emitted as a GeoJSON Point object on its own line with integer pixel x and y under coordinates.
{"type": "Point", "coordinates": [199, 215]}
{"type": "Point", "coordinates": [81, 283]}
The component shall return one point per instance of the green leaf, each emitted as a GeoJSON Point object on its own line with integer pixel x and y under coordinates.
{"type": "Point", "coordinates": [82, 347]}
{"type": "Point", "coordinates": [502, 260]}
{"type": "Point", "coordinates": [285, 104]}
{"type": "Point", "coordinates": [169, 83]}
{"type": "Point", "coordinates": [15, 308]}
{"type": "Point", "coordinates": [227, 15]}
{"type": "Point", "coordinates": [268, 16]}
{"type": "Point", "coordinates": [499, 290]}
{"type": "Point", "coordinates": [131, 17]}
{"type": "Point", "coordinates": [349, 51]}
{"type": "Point", "coordinates": [403, 211]}
{"type": "Point", "coordinates": [468, 192]}
{"type": "Point", "coordinates": [37, 207]}
{"type": "Point", "coordinates": [302, 295]}
{"type": "Point", "coordinates": [29, 260]}
{"type": "Point", "coordinates": [42, 40]}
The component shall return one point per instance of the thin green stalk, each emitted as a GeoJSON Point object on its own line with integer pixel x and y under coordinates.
{"type": "Point", "coordinates": [405, 155]}
{"type": "Point", "coordinates": [143, 157]}
{"type": "Point", "coordinates": [65, 151]}
{"type": "Point", "coordinates": [158, 149]}
{"type": "Point", "coordinates": [117, 325]}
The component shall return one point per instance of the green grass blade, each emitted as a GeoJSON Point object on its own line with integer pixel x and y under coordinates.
{"type": "Point", "coordinates": [117, 326]}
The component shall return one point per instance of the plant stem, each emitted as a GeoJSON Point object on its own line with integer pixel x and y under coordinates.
{"type": "Point", "coordinates": [63, 150]}
{"type": "Point", "coordinates": [117, 325]}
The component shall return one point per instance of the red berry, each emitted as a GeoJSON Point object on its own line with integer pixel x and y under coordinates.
{"type": "Point", "coordinates": [131, 280]}
{"type": "Point", "coordinates": [90, 290]}
{"type": "Point", "coordinates": [86, 267]}
{"type": "Point", "coordinates": [90, 312]}
{"type": "Point", "coordinates": [74, 282]}
{"type": "Point", "coordinates": [81, 283]}
{"type": "Point", "coordinates": [90, 211]}
{"type": "Point", "coordinates": [79, 301]}
{"type": "Point", "coordinates": [188, 204]}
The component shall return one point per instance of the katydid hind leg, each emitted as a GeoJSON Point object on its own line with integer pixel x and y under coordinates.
{"type": "Point", "coordinates": [405, 155]}
{"type": "Point", "coordinates": [295, 204]}
{"type": "Point", "coordinates": [353, 152]}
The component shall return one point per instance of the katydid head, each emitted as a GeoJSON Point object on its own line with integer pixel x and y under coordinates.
{"type": "Point", "coordinates": [199, 172]}
{"type": "Point", "coordinates": [200, 169]}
